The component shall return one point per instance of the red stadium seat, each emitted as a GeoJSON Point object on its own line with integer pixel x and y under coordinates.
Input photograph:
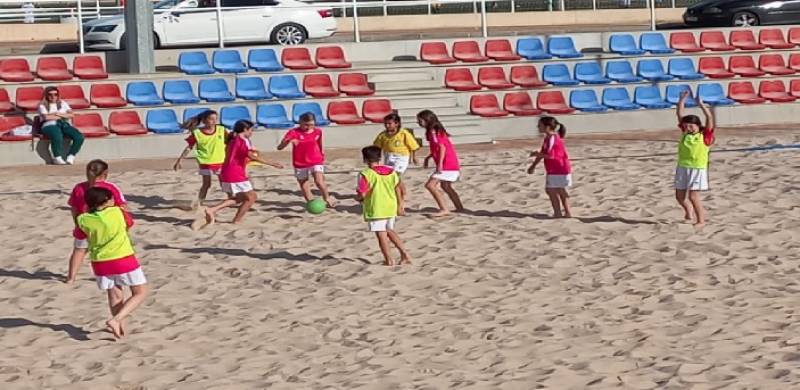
{"type": "Point", "coordinates": [29, 98]}
{"type": "Point", "coordinates": [297, 58]}
{"type": "Point", "coordinates": [468, 51]}
{"type": "Point", "coordinates": [486, 105]}
{"type": "Point", "coordinates": [126, 123]}
{"type": "Point", "coordinates": [73, 95]}
{"type": "Point", "coordinates": [500, 50]}
{"type": "Point", "coordinates": [526, 76]}
{"type": "Point", "coordinates": [794, 88]}
{"type": "Point", "coordinates": [9, 123]}
{"type": "Point", "coordinates": [743, 92]}
{"type": "Point", "coordinates": [319, 86]}
{"type": "Point", "coordinates": [773, 38]}
{"type": "Point", "coordinates": [493, 77]}
{"type": "Point", "coordinates": [460, 79]}
{"type": "Point", "coordinates": [744, 66]}
{"type": "Point", "coordinates": [685, 42]}
{"type": "Point", "coordinates": [435, 53]}
{"type": "Point", "coordinates": [52, 69]}
{"type": "Point", "coordinates": [519, 104]}
{"type": "Point", "coordinates": [354, 84]}
{"type": "Point", "coordinates": [714, 67]}
{"type": "Point", "coordinates": [106, 96]}
{"type": "Point", "coordinates": [344, 113]}
{"type": "Point", "coordinates": [15, 70]}
{"type": "Point", "coordinates": [774, 91]}
{"type": "Point", "coordinates": [89, 68]}
{"type": "Point", "coordinates": [794, 61]}
{"type": "Point", "coordinates": [553, 102]}
{"type": "Point", "coordinates": [5, 101]}
{"type": "Point", "coordinates": [331, 57]}
{"type": "Point", "coordinates": [794, 35]}
{"type": "Point", "coordinates": [745, 40]}
{"type": "Point", "coordinates": [375, 110]}
{"type": "Point", "coordinates": [715, 40]}
{"type": "Point", "coordinates": [90, 125]}
{"type": "Point", "coordinates": [774, 64]}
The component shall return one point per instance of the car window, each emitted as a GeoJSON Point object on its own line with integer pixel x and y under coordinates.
{"type": "Point", "coordinates": [208, 4]}
{"type": "Point", "coordinates": [243, 3]}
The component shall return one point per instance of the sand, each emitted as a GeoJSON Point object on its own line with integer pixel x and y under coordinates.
{"type": "Point", "coordinates": [624, 296]}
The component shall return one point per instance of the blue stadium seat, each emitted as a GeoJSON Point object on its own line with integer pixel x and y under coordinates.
{"type": "Point", "coordinates": [314, 108]}
{"type": "Point", "coordinates": [163, 121]}
{"type": "Point", "coordinates": [654, 43]}
{"type": "Point", "coordinates": [264, 60]}
{"type": "Point", "coordinates": [143, 93]}
{"type": "Point", "coordinates": [215, 90]}
{"type": "Point", "coordinates": [590, 73]}
{"type": "Point", "coordinates": [618, 99]}
{"type": "Point", "coordinates": [558, 74]}
{"type": "Point", "coordinates": [650, 97]}
{"type": "Point", "coordinates": [285, 87]}
{"type": "Point", "coordinates": [674, 94]}
{"type": "Point", "coordinates": [624, 44]}
{"type": "Point", "coordinates": [532, 49]}
{"type": "Point", "coordinates": [228, 61]}
{"type": "Point", "coordinates": [251, 88]}
{"type": "Point", "coordinates": [562, 47]}
{"type": "Point", "coordinates": [621, 72]}
{"type": "Point", "coordinates": [273, 116]}
{"type": "Point", "coordinates": [179, 92]}
{"type": "Point", "coordinates": [713, 94]}
{"type": "Point", "coordinates": [683, 68]}
{"type": "Point", "coordinates": [230, 114]}
{"type": "Point", "coordinates": [585, 100]}
{"type": "Point", "coordinates": [194, 62]}
{"type": "Point", "coordinates": [652, 70]}
{"type": "Point", "coordinates": [192, 111]}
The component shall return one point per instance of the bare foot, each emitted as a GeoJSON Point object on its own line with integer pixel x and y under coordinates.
{"type": "Point", "coordinates": [699, 225]}
{"type": "Point", "coordinates": [195, 205]}
{"type": "Point", "coordinates": [557, 216]}
{"type": "Point", "coordinates": [204, 220]}
{"type": "Point", "coordinates": [115, 327]}
{"type": "Point", "coordinates": [405, 260]}
{"type": "Point", "coordinates": [441, 213]}
{"type": "Point", "coordinates": [70, 280]}
{"type": "Point", "coordinates": [388, 262]}
{"type": "Point", "coordinates": [460, 209]}
{"type": "Point", "coordinates": [330, 202]}
{"type": "Point", "coordinates": [567, 215]}
{"type": "Point", "coordinates": [401, 211]}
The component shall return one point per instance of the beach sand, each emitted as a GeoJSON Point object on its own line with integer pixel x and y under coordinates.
{"type": "Point", "coordinates": [623, 296]}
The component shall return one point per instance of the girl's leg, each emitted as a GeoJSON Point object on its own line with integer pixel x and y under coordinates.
{"type": "Point", "coordinates": [451, 192]}
{"type": "Point", "coordinates": [210, 213]}
{"type": "Point", "coordinates": [116, 299]}
{"type": "Point", "coordinates": [555, 201]}
{"type": "Point", "coordinates": [401, 207]}
{"type": "Point", "coordinates": [319, 180]}
{"type": "Point", "coordinates": [75, 261]}
{"type": "Point", "coordinates": [563, 196]}
{"type": "Point", "coordinates": [305, 188]}
{"type": "Point", "coordinates": [76, 137]}
{"type": "Point", "coordinates": [680, 196]}
{"type": "Point", "coordinates": [247, 200]}
{"type": "Point", "coordinates": [432, 187]}
{"type": "Point", "coordinates": [383, 242]}
{"type": "Point", "coordinates": [204, 188]}
{"type": "Point", "coordinates": [115, 323]}
{"type": "Point", "coordinates": [53, 133]}
{"type": "Point", "coordinates": [395, 239]}
{"type": "Point", "coordinates": [697, 204]}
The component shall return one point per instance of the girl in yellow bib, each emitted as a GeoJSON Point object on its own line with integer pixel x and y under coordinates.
{"type": "Point", "coordinates": [208, 141]}
{"type": "Point", "coordinates": [691, 175]}
{"type": "Point", "coordinates": [399, 148]}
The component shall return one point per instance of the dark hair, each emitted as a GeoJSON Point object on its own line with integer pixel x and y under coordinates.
{"type": "Point", "coordinates": [95, 169]}
{"type": "Point", "coordinates": [196, 120]}
{"type": "Point", "coordinates": [393, 117]}
{"type": "Point", "coordinates": [307, 117]}
{"type": "Point", "coordinates": [239, 127]}
{"type": "Point", "coordinates": [553, 123]}
{"type": "Point", "coordinates": [691, 119]}
{"type": "Point", "coordinates": [371, 154]}
{"type": "Point", "coordinates": [96, 197]}
{"type": "Point", "coordinates": [431, 122]}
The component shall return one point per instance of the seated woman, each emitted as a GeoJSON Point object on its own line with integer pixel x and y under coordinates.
{"type": "Point", "coordinates": [55, 115]}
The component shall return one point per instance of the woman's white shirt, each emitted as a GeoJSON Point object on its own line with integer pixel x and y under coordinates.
{"type": "Point", "coordinates": [53, 109]}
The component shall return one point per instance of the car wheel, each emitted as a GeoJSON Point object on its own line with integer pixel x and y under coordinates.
{"type": "Point", "coordinates": [744, 19]}
{"type": "Point", "coordinates": [289, 34]}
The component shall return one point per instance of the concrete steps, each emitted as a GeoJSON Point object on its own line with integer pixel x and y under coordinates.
{"type": "Point", "coordinates": [384, 77]}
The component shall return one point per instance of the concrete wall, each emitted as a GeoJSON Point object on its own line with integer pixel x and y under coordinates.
{"type": "Point", "coordinates": [41, 32]}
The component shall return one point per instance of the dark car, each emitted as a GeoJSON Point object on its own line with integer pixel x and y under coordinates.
{"type": "Point", "coordinates": [742, 13]}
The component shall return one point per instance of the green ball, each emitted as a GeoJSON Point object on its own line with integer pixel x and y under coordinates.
{"type": "Point", "coordinates": [316, 206]}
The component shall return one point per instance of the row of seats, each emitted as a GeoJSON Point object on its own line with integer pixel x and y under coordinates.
{"type": "Point", "coordinates": [772, 38]}
{"type": "Point", "coordinates": [89, 124]}
{"type": "Point", "coordinates": [499, 50]}
{"type": "Point", "coordinates": [262, 60]}
{"type": "Point", "coordinates": [17, 70]}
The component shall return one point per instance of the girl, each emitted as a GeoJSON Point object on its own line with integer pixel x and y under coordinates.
{"type": "Point", "coordinates": [96, 175]}
{"type": "Point", "coordinates": [233, 174]}
{"type": "Point", "coordinates": [556, 165]}
{"type": "Point", "coordinates": [446, 160]}
{"type": "Point", "coordinates": [113, 259]}
{"type": "Point", "coordinates": [210, 144]}
{"type": "Point", "coordinates": [55, 115]}
{"type": "Point", "coordinates": [397, 144]}
{"type": "Point", "coordinates": [307, 156]}
{"type": "Point", "coordinates": [691, 175]}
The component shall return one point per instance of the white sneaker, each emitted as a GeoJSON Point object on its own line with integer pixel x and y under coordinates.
{"type": "Point", "coordinates": [70, 159]}
{"type": "Point", "coordinates": [59, 161]}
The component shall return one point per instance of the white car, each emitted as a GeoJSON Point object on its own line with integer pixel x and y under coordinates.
{"type": "Point", "coordinates": [194, 22]}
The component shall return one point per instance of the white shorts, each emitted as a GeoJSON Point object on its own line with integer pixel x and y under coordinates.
{"type": "Point", "coordinates": [80, 244]}
{"type": "Point", "coordinates": [237, 188]}
{"type": "Point", "coordinates": [557, 181]}
{"type": "Point", "coordinates": [449, 176]}
{"type": "Point", "coordinates": [381, 225]}
{"type": "Point", "coordinates": [397, 161]}
{"type": "Point", "coordinates": [208, 171]}
{"type": "Point", "coordinates": [304, 173]}
{"type": "Point", "coordinates": [692, 179]}
{"type": "Point", "coordinates": [133, 278]}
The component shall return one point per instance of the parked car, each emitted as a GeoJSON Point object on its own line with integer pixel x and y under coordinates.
{"type": "Point", "coordinates": [194, 22]}
{"type": "Point", "coordinates": [742, 13]}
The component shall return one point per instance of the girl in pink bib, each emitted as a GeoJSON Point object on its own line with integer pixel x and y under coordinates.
{"type": "Point", "coordinates": [448, 167]}
{"type": "Point", "coordinates": [556, 165]}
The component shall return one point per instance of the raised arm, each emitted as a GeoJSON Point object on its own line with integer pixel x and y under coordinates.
{"type": "Point", "coordinates": [680, 111]}
{"type": "Point", "coordinates": [709, 116]}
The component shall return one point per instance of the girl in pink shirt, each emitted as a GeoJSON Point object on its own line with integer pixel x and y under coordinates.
{"type": "Point", "coordinates": [444, 156]}
{"type": "Point", "coordinates": [307, 156]}
{"type": "Point", "coordinates": [556, 165]}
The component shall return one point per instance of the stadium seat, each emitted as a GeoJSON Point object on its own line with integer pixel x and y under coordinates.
{"type": "Point", "coordinates": [251, 88]}
{"type": "Point", "coordinates": [319, 86]}
{"type": "Point", "coordinates": [191, 112]}
{"type": "Point", "coordinates": [29, 98]}
{"type": "Point", "coordinates": [715, 41]}
{"type": "Point", "coordinates": [714, 67]}
{"type": "Point", "coordinates": [354, 84]}
{"type": "Point", "coordinates": [163, 121]}
{"type": "Point", "coordinates": [90, 125]}
{"type": "Point", "coordinates": [314, 108]}
{"type": "Point", "coordinates": [263, 60]}
{"type": "Point", "coordinates": [794, 61]}
{"type": "Point", "coordinates": [773, 38]}
{"type": "Point", "coordinates": [5, 101]}
{"type": "Point", "coordinates": [15, 70]}
{"type": "Point", "coordinates": [794, 87]}
{"type": "Point", "coordinates": [297, 58]}
{"type": "Point", "coordinates": [590, 73]}
{"type": "Point", "coordinates": [552, 102]}
{"type": "Point", "coordinates": [520, 104]}
{"type": "Point", "coordinates": [685, 42]}
{"type": "Point", "coordinates": [285, 87]}
{"type": "Point", "coordinates": [344, 113]}
{"type": "Point", "coordinates": [228, 61]}
{"type": "Point", "coordinates": [194, 62]}
{"type": "Point", "coordinates": [558, 74]}
{"type": "Point", "coordinates": [230, 114]}
{"type": "Point", "coordinates": [774, 91]}
{"type": "Point", "coordinates": [89, 68]}
{"type": "Point", "coordinates": [794, 35]}
{"type": "Point", "coordinates": [621, 72]}
{"type": "Point", "coordinates": [486, 105]}
{"type": "Point", "coordinates": [655, 43]}
{"type": "Point", "coordinates": [674, 94]}
{"type": "Point", "coordinates": [460, 79]}
{"type": "Point", "coordinates": [774, 65]}
{"type": "Point", "coordinates": [624, 44]}
{"type": "Point", "coordinates": [618, 98]}
{"type": "Point", "coordinates": [526, 76]}
{"type": "Point", "coordinates": [652, 70]}
{"type": "Point", "coordinates": [52, 69]}
{"type": "Point", "coordinates": [126, 123]}
{"type": "Point", "coordinates": [468, 51]}
{"type": "Point", "coordinates": [179, 92]}
{"type": "Point", "coordinates": [493, 77]}
{"type": "Point", "coordinates": [74, 96]}
{"type": "Point", "coordinates": [562, 47]}
{"type": "Point", "coordinates": [435, 53]}
{"type": "Point", "coordinates": [744, 92]}
{"type": "Point", "coordinates": [215, 90]}
{"type": "Point", "coordinates": [744, 66]}
{"type": "Point", "coordinates": [713, 94]}
{"type": "Point", "coordinates": [143, 93]}
{"type": "Point", "coordinates": [331, 57]}
{"type": "Point", "coordinates": [683, 68]}
{"type": "Point", "coordinates": [745, 40]}
{"type": "Point", "coordinates": [500, 50]}
{"type": "Point", "coordinates": [532, 49]}
{"type": "Point", "coordinates": [375, 110]}
{"type": "Point", "coordinates": [650, 97]}
{"type": "Point", "coordinates": [106, 96]}
{"type": "Point", "coordinates": [585, 100]}
{"type": "Point", "coordinates": [273, 116]}
{"type": "Point", "coordinates": [9, 123]}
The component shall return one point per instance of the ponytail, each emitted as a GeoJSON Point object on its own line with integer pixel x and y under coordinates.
{"type": "Point", "coordinates": [239, 127]}
{"type": "Point", "coordinates": [195, 121]}
{"type": "Point", "coordinates": [553, 124]}
{"type": "Point", "coordinates": [94, 170]}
